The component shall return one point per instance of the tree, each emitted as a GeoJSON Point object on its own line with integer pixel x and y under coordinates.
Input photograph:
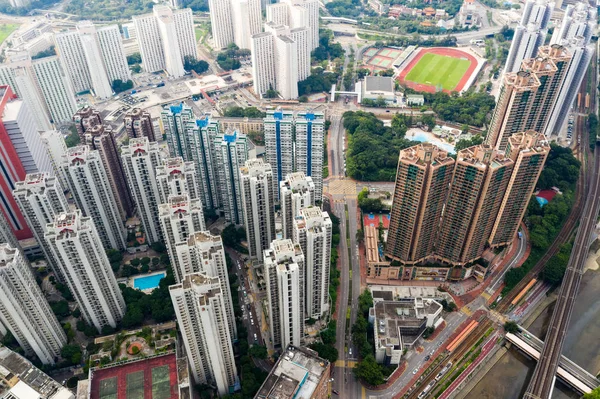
{"type": "Point", "coordinates": [328, 352]}
{"type": "Point", "coordinates": [71, 353]}
{"type": "Point", "coordinates": [428, 120]}
{"type": "Point", "coordinates": [73, 138]}
{"type": "Point", "coordinates": [190, 63]}
{"type": "Point", "coordinates": [271, 93]}
{"type": "Point", "coordinates": [60, 309]}
{"type": "Point", "coordinates": [135, 58]}
{"type": "Point", "coordinates": [595, 394]}
{"type": "Point", "coordinates": [466, 143]}
{"type": "Point", "coordinates": [136, 68]}
{"type": "Point", "coordinates": [369, 371]}
{"type": "Point", "coordinates": [511, 327]}
{"type": "Point", "coordinates": [119, 86]}
{"type": "Point", "coordinates": [158, 247]}
{"type": "Point", "coordinates": [258, 351]}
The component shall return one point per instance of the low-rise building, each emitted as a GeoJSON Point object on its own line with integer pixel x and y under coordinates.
{"type": "Point", "coordinates": [415, 100]}
{"type": "Point", "coordinates": [397, 325]}
{"type": "Point", "coordinates": [299, 373]}
{"type": "Point", "coordinates": [375, 87]}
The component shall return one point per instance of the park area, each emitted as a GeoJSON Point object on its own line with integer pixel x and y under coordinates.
{"type": "Point", "coordinates": [438, 69]}
{"type": "Point", "coordinates": [6, 30]}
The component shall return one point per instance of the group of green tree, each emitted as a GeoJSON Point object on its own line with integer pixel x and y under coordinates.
{"type": "Point", "coordinates": [6, 8]}
{"type": "Point", "coordinates": [318, 81]}
{"type": "Point", "coordinates": [419, 40]}
{"type": "Point", "coordinates": [544, 223]}
{"type": "Point", "coordinates": [195, 5]}
{"type": "Point", "coordinates": [45, 53]}
{"type": "Point", "coordinates": [119, 86]}
{"type": "Point", "coordinates": [347, 8]}
{"type": "Point", "coordinates": [372, 147]}
{"type": "Point", "coordinates": [105, 10]}
{"type": "Point", "coordinates": [369, 205]}
{"type": "Point", "coordinates": [471, 108]}
{"type": "Point", "coordinates": [190, 63]}
{"type": "Point", "coordinates": [134, 61]}
{"type": "Point", "coordinates": [241, 112]}
{"type": "Point", "coordinates": [327, 50]}
{"type": "Point", "coordinates": [229, 59]}
{"type": "Point", "coordinates": [233, 236]}
{"type": "Point", "coordinates": [595, 394]}
{"type": "Point", "coordinates": [466, 143]}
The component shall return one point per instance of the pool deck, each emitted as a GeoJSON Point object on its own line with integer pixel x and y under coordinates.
{"type": "Point", "coordinates": [131, 280]}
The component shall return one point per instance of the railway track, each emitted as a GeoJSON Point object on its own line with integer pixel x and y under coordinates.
{"type": "Point", "coordinates": [542, 381]}
{"type": "Point", "coordinates": [463, 348]}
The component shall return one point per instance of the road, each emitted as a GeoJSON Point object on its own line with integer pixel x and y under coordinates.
{"type": "Point", "coordinates": [541, 384]}
{"type": "Point", "coordinates": [520, 252]}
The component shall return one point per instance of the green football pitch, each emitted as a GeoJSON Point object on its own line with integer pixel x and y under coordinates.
{"type": "Point", "coordinates": [438, 70]}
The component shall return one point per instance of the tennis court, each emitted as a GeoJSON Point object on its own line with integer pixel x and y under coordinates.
{"type": "Point", "coordinates": [377, 59]}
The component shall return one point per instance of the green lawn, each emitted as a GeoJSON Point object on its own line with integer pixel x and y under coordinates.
{"type": "Point", "coordinates": [435, 69]}
{"type": "Point", "coordinates": [6, 30]}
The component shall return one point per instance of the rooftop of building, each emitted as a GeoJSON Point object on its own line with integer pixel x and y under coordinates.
{"type": "Point", "coordinates": [296, 374]}
{"type": "Point", "coordinates": [424, 153]}
{"type": "Point", "coordinates": [203, 236]}
{"type": "Point", "coordinates": [481, 156]}
{"type": "Point", "coordinates": [297, 181]}
{"type": "Point", "coordinates": [255, 167]}
{"type": "Point", "coordinates": [15, 369]}
{"type": "Point", "coordinates": [379, 84]}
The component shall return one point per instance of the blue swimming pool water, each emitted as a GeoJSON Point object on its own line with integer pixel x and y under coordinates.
{"type": "Point", "coordinates": [542, 201]}
{"type": "Point", "coordinates": [148, 282]}
{"type": "Point", "coordinates": [423, 138]}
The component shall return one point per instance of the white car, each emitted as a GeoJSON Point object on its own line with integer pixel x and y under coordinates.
{"type": "Point", "coordinates": [415, 371]}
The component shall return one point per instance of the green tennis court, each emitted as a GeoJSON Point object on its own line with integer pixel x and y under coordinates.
{"type": "Point", "coordinates": [438, 70]}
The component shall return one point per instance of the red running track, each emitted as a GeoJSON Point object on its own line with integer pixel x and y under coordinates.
{"type": "Point", "coordinates": [446, 51]}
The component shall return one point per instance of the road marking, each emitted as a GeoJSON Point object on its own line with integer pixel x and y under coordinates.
{"type": "Point", "coordinates": [364, 392]}
{"type": "Point", "coordinates": [486, 295]}
{"type": "Point", "coordinates": [348, 364]}
{"type": "Point", "coordinates": [466, 311]}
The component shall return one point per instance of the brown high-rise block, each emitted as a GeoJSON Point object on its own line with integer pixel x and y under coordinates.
{"type": "Point", "coordinates": [138, 123]}
{"type": "Point", "coordinates": [527, 97]}
{"type": "Point", "coordinates": [481, 175]}
{"type": "Point", "coordinates": [528, 151]}
{"type": "Point", "coordinates": [86, 118]}
{"type": "Point", "coordinates": [102, 138]}
{"type": "Point", "coordinates": [422, 182]}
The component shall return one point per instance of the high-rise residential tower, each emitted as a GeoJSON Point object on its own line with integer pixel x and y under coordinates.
{"type": "Point", "coordinates": [56, 146]}
{"type": "Point", "coordinates": [530, 34]}
{"type": "Point", "coordinates": [296, 192]}
{"type": "Point", "coordinates": [481, 176]}
{"type": "Point", "coordinates": [100, 84]}
{"type": "Point", "coordinates": [259, 205]}
{"type": "Point", "coordinates": [422, 182]}
{"type": "Point", "coordinates": [221, 22]}
{"type": "Point", "coordinates": [165, 37]}
{"type": "Point", "coordinates": [141, 158]}
{"type": "Point", "coordinates": [528, 151]}
{"type": "Point", "coordinates": [24, 310]}
{"type": "Point", "coordinates": [40, 198]}
{"type": "Point", "coordinates": [79, 251]}
{"type": "Point", "coordinates": [246, 17]}
{"type": "Point", "coordinates": [90, 187]}
{"type": "Point", "coordinates": [204, 253]}
{"type": "Point", "coordinates": [231, 152]}
{"type": "Point", "coordinates": [180, 217]}
{"type": "Point", "coordinates": [284, 265]}
{"type": "Point", "coordinates": [86, 118]}
{"type": "Point", "coordinates": [202, 319]}
{"type": "Point", "coordinates": [138, 123]}
{"type": "Point", "coordinates": [312, 230]}
{"type": "Point", "coordinates": [102, 138]}
{"type": "Point", "coordinates": [279, 144]}
{"type": "Point", "coordinates": [176, 177]}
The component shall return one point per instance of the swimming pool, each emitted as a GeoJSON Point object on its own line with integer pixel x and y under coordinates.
{"type": "Point", "coordinates": [148, 282]}
{"type": "Point", "coordinates": [427, 138]}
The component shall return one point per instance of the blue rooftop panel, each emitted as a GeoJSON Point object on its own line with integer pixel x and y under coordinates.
{"type": "Point", "coordinates": [309, 116]}
{"type": "Point", "coordinates": [176, 109]}
{"type": "Point", "coordinates": [202, 122]}
{"type": "Point", "coordinates": [230, 138]}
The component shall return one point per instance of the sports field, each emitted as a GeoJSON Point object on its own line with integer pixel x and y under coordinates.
{"type": "Point", "coordinates": [438, 71]}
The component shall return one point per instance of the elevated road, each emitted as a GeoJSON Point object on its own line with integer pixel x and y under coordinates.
{"type": "Point", "coordinates": [542, 381]}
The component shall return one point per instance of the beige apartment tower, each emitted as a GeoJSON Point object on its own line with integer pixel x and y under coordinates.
{"type": "Point", "coordinates": [422, 184]}
{"type": "Point", "coordinates": [528, 151]}
{"type": "Point", "coordinates": [479, 182]}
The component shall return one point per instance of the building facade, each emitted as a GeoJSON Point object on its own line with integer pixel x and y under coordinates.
{"type": "Point", "coordinates": [284, 265]}
{"type": "Point", "coordinates": [78, 249]}
{"type": "Point", "coordinates": [141, 158]}
{"type": "Point", "coordinates": [259, 205]}
{"type": "Point", "coordinates": [176, 177]}
{"type": "Point", "coordinates": [90, 188]}
{"type": "Point", "coordinates": [24, 310]}
{"type": "Point", "coordinates": [296, 192]}
{"type": "Point", "coordinates": [138, 123]}
{"type": "Point", "coordinates": [231, 153]}
{"type": "Point", "coordinates": [202, 319]}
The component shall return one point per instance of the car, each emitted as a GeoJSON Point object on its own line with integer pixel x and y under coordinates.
{"type": "Point", "coordinates": [415, 371]}
{"type": "Point", "coordinates": [335, 392]}
{"type": "Point", "coordinates": [255, 338]}
{"type": "Point", "coordinates": [350, 351]}
{"type": "Point", "coordinates": [252, 321]}
{"type": "Point", "coordinates": [427, 357]}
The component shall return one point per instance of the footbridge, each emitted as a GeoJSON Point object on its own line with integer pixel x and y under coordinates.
{"type": "Point", "coordinates": [568, 371]}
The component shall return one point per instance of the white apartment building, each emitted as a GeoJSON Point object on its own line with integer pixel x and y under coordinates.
{"type": "Point", "coordinates": [301, 36]}
{"type": "Point", "coordinates": [279, 144]}
{"type": "Point", "coordinates": [284, 265]}
{"type": "Point", "coordinates": [113, 53]}
{"type": "Point", "coordinates": [231, 153]}
{"type": "Point", "coordinates": [43, 85]}
{"type": "Point", "coordinates": [180, 217]}
{"type": "Point", "coordinates": [40, 198]}
{"type": "Point", "coordinates": [176, 177]}
{"type": "Point", "coordinates": [73, 60]}
{"type": "Point", "coordinates": [263, 65]}
{"type": "Point", "coordinates": [312, 230]}
{"type": "Point", "coordinates": [286, 66]}
{"type": "Point", "coordinates": [7, 237]}
{"type": "Point", "coordinates": [82, 257]}
{"type": "Point", "coordinates": [204, 253]}
{"type": "Point", "coordinates": [165, 37]}
{"type": "Point", "coordinates": [89, 184]}
{"type": "Point", "coordinates": [294, 143]}
{"type": "Point", "coordinates": [24, 310]}
{"type": "Point", "coordinates": [278, 13]}
{"type": "Point", "coordinates": [247, 21]}
{"type": "Point", "coordinates": [193, 139]}
{"type": "Point", "coordinates": [259, 205]}
{"type": "Point", "coordinates": [530, 34]}
{"type": "Point", "coordinates": [295, 192]}
{"type": "Point", "coordinates": [310, 136]}
{"type": "Point", "coordinates": [221, 22]}
{"type": "Point", "coordinates": [100, 83]}
{"type": "Point", "coordinates": [57, 148]}
{"type": "Point", "coordinates": [202, 319]}
{"type": "Point", "coordinates": [297, 14]}
{"type": "Point", "coordinates": [21, 130]}
{"type": "Point", "coordinates": [140, 160]}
